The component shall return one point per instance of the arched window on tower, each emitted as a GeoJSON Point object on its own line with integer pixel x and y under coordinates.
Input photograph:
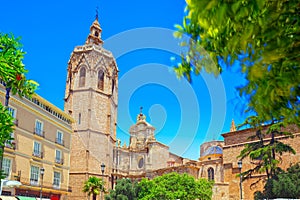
{"type": "Point", "coordinates": [100, 80]}
{"type": "Point", "coordinates": [82, 75]}
{"type": "Point", "coordinates": [79, 118]}
{"type": "Point", "coordinates": [211, 174]}
{"type": "Point", "coordinates": [113, 86]}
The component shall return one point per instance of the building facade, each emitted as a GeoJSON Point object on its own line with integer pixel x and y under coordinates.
{"type": "Point", "coordinates": [211, 167]}
{"type": "Point", "coordinates": [144, 155]}
{"type": "Point", "coordinates": [41, 139]}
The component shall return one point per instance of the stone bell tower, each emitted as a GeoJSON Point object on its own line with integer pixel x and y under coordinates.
{"type": "Point", "coordinates": [91, 98]}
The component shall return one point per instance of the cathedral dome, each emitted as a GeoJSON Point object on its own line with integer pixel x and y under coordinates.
{"type": "Point", "coordinates": [213, 150]}
{"type": "Point", "coordinates": [212, 153]}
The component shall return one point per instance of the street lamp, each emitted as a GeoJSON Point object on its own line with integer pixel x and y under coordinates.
{"type": "Point", "coordinates": [240, 164]}
{"type": "Point", "coordinates": [42, 171]}
{"type": "Point", "coordinates": [102, 170]}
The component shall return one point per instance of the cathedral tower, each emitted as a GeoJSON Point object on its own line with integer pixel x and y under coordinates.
{"type": "Point", "coordinates": [91, 98]}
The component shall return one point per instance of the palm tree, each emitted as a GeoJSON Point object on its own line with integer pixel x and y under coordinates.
{"type": "Point", "coordinates": [93, 186]}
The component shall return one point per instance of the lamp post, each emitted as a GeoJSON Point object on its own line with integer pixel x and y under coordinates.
{"type": "Point", "coordinates": [240, 164]}
{"type": "Point", "coordinates": [42, 171]}
{"type": "Point", "coordinates": [102, 170]}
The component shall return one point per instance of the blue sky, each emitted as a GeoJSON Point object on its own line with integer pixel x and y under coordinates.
{"type": "Point", "coordinates": [139, 34]}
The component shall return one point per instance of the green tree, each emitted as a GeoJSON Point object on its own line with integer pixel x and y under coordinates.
{"type": "Point", "coordinates": [93, 186]}
{"type": "Point", "coordinates": [12, 76]}
{"type": "Point", "coordinates": [263, 152]}
{"type": "Point", "coordinates": [6, 126]}
{"type": "Point", "coordinates": [264, 35]}
{"type": "Point", "coordinates": [12, 69]}
{"type": "Point", "coordinates": [284, 185]}
{"type": "Point", "coordinates": [175, 186]}
{"type": "Point", "coordinates": [124, 190]}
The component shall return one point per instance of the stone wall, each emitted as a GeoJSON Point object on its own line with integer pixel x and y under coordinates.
{"type": "Point", "coordinates": [159, 155]}
{"type": "Point", "coordinates": [220, 191]}
{"type": "Point", "coordinates": [216, 165]}
{"type": "Point", "coordinates": [234, 143]}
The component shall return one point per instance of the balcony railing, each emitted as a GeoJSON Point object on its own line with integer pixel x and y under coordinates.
{"type": "Point", "coordinates": [49, 185]}
{"type": "Point", "coordinates": [59, 141]}
{"type": "Point", "coordinates": [56, 186]}
{"type": "Point", "coordinates": [39, 132]}
{"type": "Point", "coordinates": [11, 146]}
{"type": "Point", "coordinates": [34, 182]}
{"type": "Point", "coordinates": [37, 154]}
{"type": "Point", "coordinates": [59, 161]}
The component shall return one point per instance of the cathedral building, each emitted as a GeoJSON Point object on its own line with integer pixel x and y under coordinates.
{"type": "Point", "coordinates": [144, 153]}
{"type": "Point", "coordinates": [91, 99]}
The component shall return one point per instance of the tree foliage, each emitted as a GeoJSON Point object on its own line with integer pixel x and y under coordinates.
{"type": "Point", "coordinates": [6, 126]}
{"type": "Point", "coordinates": [264, 35]}
{"type": "Point", "coordinates": [284, 185]}
{"type": "Point", "coordinates": [169, 186]}
{"type": "Point", "coordinates": [125, 190]}
{"type": "Point", "coordinates": [12, 76]}
{"type": "Point", "coordinates": [12, 69]}
{"type": "Point", "coordinates": [175, 186]}
{"type": "Point", "coordinates": [93, 186]}
{"type": "Point", "coordinates": [263, 152]}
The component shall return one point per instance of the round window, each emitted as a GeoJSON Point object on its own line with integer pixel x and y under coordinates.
{"type": "Point", "coordinates": [141, 163]}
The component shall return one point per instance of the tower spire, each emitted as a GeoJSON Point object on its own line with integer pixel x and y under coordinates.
{"type": "Point", "coordinates": [95, 32]}
{"type": "Point", "coordinates": [232, 128]}
{"type": "Point", "coordinates": [96, 17]}
{"type": "Point", "coordinates": [141, 116]}
{"type": "Point", "coordinates": [141, 110]}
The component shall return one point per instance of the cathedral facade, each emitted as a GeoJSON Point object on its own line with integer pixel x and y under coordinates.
{"type": "Point", "coordinates": [144, 153]}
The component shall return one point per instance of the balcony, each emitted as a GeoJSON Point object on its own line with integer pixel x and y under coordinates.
{"type": "Point", "coordinates": [37, 154]}
{"type": "Point", "coordinates": [48, 185]}
{"type": "Point", "coordinates": [60, 141]}
{"type": "Point", "coordinates": [39, 132]}
{"type": "Point", "coordinates": [34, 182]}
{"type": "Point", "coordinates": [59, 161]}
{"type": "Point", "coordinates": [56, 186]}
{"type": "Point", "coordinates": [11, 146]}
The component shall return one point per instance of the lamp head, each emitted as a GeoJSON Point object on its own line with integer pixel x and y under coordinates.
{"type": "Point", "coordinates": [102, 167]}
{"type": "Point", "coordinates": [42, 171]}
{"type": "Point", "coordinates": [240, 164]}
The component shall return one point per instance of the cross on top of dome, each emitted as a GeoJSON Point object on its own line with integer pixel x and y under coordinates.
{"type": "Point", "coordinates": [141, 116]}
